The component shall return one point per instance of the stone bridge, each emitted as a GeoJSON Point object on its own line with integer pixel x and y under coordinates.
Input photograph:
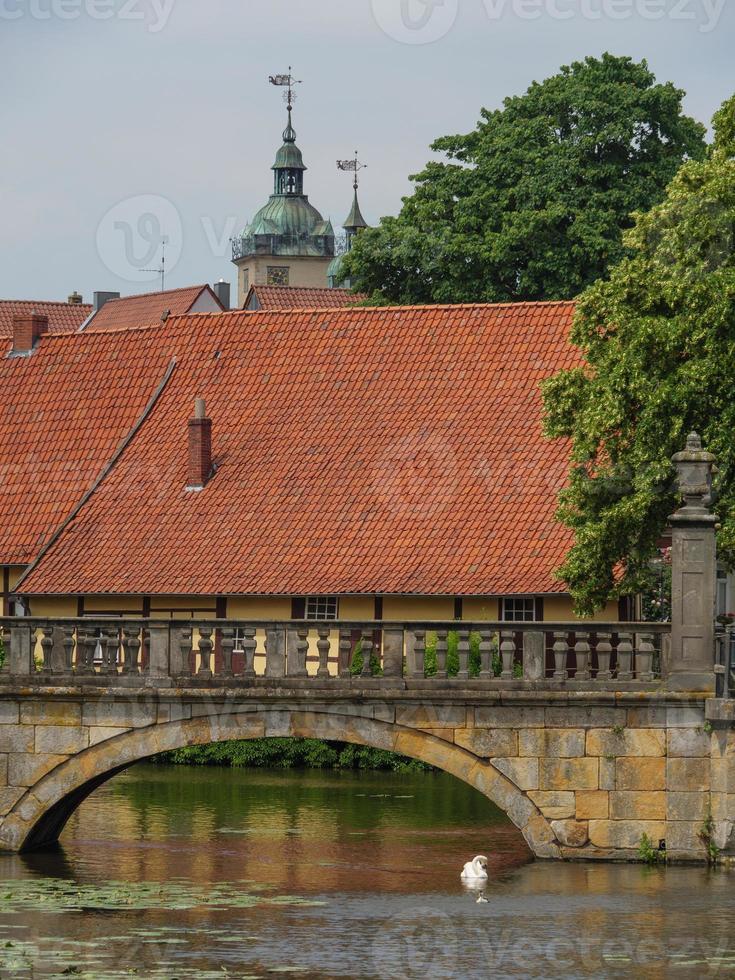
{"type": "Point", "coordinates": [584, 738]}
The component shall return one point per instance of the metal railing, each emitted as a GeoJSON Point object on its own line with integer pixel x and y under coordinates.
{"type": "Point", "coordinates": [218, 652]}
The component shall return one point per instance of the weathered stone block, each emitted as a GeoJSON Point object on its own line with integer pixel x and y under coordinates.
{"type": "Point", "coordinates": [571, 833]}
{"type": "Point", "coordinates": [61, 739]}
{"type": "Point", "coordinates": [173, 711]}
{"type": "Point", "coordinates": [487, 742]}
{"type": "Point", "coordinates": [686, 806]}
{"type": "Point", "coordinates": [551, 742]}
{"type": "Point", "coordinates": [683, 835]}
{"type": "Point", "coordinates": [431, 716]}
{"type": "Point", "coordinates": [579, 716]}
{"type": "Point", "coordinates": [688, 742]}
{"type": "Point", "coordinates": [637, 805]}
{"type": "Point", "coordinates": [684, 717]}
{"type": "Point", "coordinates": [50, 713]}
{"type": "Point", "coordinates": [9, 796]}
{"type": "Point", "coordinates": [568, 774]}
{"type": "Point", "coordinates": [25, 769]}
{"type": "Point", "coordinates": [592, 804]}
{"type": "Point", "coordinates": [647, 717]}
{"type": "Point", "coordinates": [633, 742]}
{"type": "Point", "coordinates": [3, 769]}
{"type": "Point", "coordinates": [520, 810]}
{"type": "Point", "coordinates": [9, 713]}
{"type": "Point", "coordinates": [607, 774]}
{"type": "Point", "coordinates": [640, 774]}
{"type": "Point", "coordinates": [119, 714]}
{"type": "Point", "coordinates": [540, 837]}
{"type": "Point", "coordinates": [554, 806]}
{"type": "Point", "coordinates": [97, 735]}
{"type": "Point", "coordinates": [625, 833]}
{"type": "Point", "coordinates": [16, 738]}
{"type": "Point", "coordinates": [509, 716]}
{"type": "Point", "coordinates": [722, 775]}
{"type": "Point", "coordinates": [523, 772]}
{"type": "Point", "coordinates": [687, 775]}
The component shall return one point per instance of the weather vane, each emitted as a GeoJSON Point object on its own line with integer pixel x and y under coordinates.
{"type": "Point", "coordinates": [288, 82]}
{"type": "Point", "coordinates": [354, 166]}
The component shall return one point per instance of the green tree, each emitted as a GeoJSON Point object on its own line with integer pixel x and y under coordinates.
{"type": "Point", "coordinates": [530, 205]}
{"type": "Point", "coordinates": [658, 339]}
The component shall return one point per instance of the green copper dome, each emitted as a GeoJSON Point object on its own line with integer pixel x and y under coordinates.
{"type": "Point", "coordinates": [285, 215]}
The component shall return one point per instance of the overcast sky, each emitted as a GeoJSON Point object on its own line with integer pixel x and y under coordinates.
{"type": "Point", "coordinates": [125, 119]}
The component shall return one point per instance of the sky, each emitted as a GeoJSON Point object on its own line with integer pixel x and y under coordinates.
{"type": "Point", "coordinates": [127, 120]}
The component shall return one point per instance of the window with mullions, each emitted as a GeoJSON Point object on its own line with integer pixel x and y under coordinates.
{"type": "Point", "coordinates": [519, 609]}
{"type": "Point", "coordinates": [321, 607]}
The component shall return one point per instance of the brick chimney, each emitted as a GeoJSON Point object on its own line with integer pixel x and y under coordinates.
{"type": "Point", "coordinates": [200, 447]}
{"type": "Point", "coordinates": [27, 328]}
{"type": "Point", "coordinates": [76, 299]}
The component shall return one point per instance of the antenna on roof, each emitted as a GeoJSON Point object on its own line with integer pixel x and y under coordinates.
{"type": "Point", "coordinates": [162, 271]}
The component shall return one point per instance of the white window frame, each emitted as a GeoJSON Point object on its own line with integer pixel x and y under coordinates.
{"type": "Point", "coordinates": [519, 609]}
{"type": "Point", "coordinates": [321, 608]}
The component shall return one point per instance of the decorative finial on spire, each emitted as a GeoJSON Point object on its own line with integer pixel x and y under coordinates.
{"type": "Point", "coordinates": [354, 166]}
{"type": "Point", "coordinates": [289, 97]}
{"type": "Point", "coordinates": [355, 220]}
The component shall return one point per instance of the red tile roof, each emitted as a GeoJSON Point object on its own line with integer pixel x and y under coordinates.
{"type": "Point", "coordinates": [64, 411]}
{"type": "Point", "coordinates": [62, 317]}
{"type": "Point", "coordinates": [368, 450]}
{"type": "Point", "coordinates": [300, 298]}
{"type": "Point", "coordinates": [146, 309]}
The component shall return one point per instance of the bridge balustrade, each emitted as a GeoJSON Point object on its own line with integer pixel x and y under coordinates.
{"type": "Point", "coordinates": [216, 653]}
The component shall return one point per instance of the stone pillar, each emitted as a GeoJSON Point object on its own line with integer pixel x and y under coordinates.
{"type": "Point", "coordinates": [693, 573]}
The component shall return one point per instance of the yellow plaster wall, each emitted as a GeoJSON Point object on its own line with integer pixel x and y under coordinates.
{"type": "Point", "coordinates": [62, 606]}
{"type": "Point", "coordinates": [559, 609]}
{"type": "Point", "coordinates": [480, 608]}
{"type": "Point", "coordinates": [418, 607]}
{"type": "Point", "coordinates": [356, 607]}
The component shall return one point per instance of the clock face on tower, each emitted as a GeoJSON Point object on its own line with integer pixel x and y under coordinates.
{"type": "Point", "coordinates": [278, 275]}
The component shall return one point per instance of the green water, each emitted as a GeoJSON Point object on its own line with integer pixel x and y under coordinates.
{"type": "Point", "coordinates": [178, 872]}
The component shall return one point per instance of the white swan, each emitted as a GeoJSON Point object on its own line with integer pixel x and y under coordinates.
{"type": "Point", "coordinates": [475, 869]}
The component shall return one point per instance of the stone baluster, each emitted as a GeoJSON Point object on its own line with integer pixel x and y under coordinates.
{"type": "Point", "coordinates": [345, 651]}
{"type": "Point", "coordinates": [186, 646]}
{"type": "Point", "coordinates": [275, 652]}
{"type": "Point", "coordinates": [534, 655]}
{"type": "Point", "coordinates": [205, 652]}
{"type": "Point", "coordinates": [507, 654]}
{"type": "Point", "coordinates": [366, 648]}
{"type": "Point", "coordinates": [110, 644]}
{"type": "Point", "coordinates": [418, 671]}
{"type": "Point", "coordinates": [47, 643]}
{"type": "Point", "coordinates": [68, 646]}
{"type": "Point", "coordinates": [84, 651]}
{"type": "Point", "coordinates": [625, 657]}
{"type": "Point", "coordinates": [644, 657]}
{"type": "Point", "coordinates": [604, 653]}
{"type": "Point", "coordinates": [322, 646]}
{"type": "Point", "coordinates": [463, 653]}
{"type": "Point", "coordinates": [249, 644]}
{"type": "Point", "coordinates": [131, 650]}
{"type": "Point", "coordinates": [297, 647]}
{"type": "Point", "coordinates": [582, 653]}
{"type": "Point", "coordinates": [561, 656]}
{"type": "Point", "coordinates": [441, 654]}
{"type": "Point", "coordinates": [227, 643]}
{"type": "Point", "coordinates": [486, 654]}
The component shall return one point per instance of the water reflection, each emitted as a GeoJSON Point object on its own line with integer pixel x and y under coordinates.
{"type": "Point", "coordinates": [180, 872]}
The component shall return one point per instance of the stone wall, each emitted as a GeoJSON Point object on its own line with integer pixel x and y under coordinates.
{"type": "Point", "coordinates": [582, 776]}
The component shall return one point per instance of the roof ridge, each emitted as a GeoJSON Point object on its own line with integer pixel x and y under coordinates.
{"type": "Point", "coordinates": [159, 292]}
{"type": "Point", "coordinates": [47, 302]}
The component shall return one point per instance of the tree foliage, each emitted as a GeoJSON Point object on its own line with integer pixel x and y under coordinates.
{"type": "Point", "coordinates": [530, 205]}
{"type": "Point", "coordinates": [658, 339]}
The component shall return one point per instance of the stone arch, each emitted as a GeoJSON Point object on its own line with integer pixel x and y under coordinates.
{"type": "Point", "coordinates": [40, 815]}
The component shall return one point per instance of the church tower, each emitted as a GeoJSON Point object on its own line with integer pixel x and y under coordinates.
{"type": "Point", "coordinates": [287, 243]}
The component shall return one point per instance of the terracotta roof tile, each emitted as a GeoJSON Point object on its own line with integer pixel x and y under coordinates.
{"type": "Point", "coordinates": [146, 309]}
{"type": "Point", "coordinates": [62, 317]}
{"type": "Point", "coordinates": [364, 450]}
{"type": "Point", "coordinates": [300, 298]}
